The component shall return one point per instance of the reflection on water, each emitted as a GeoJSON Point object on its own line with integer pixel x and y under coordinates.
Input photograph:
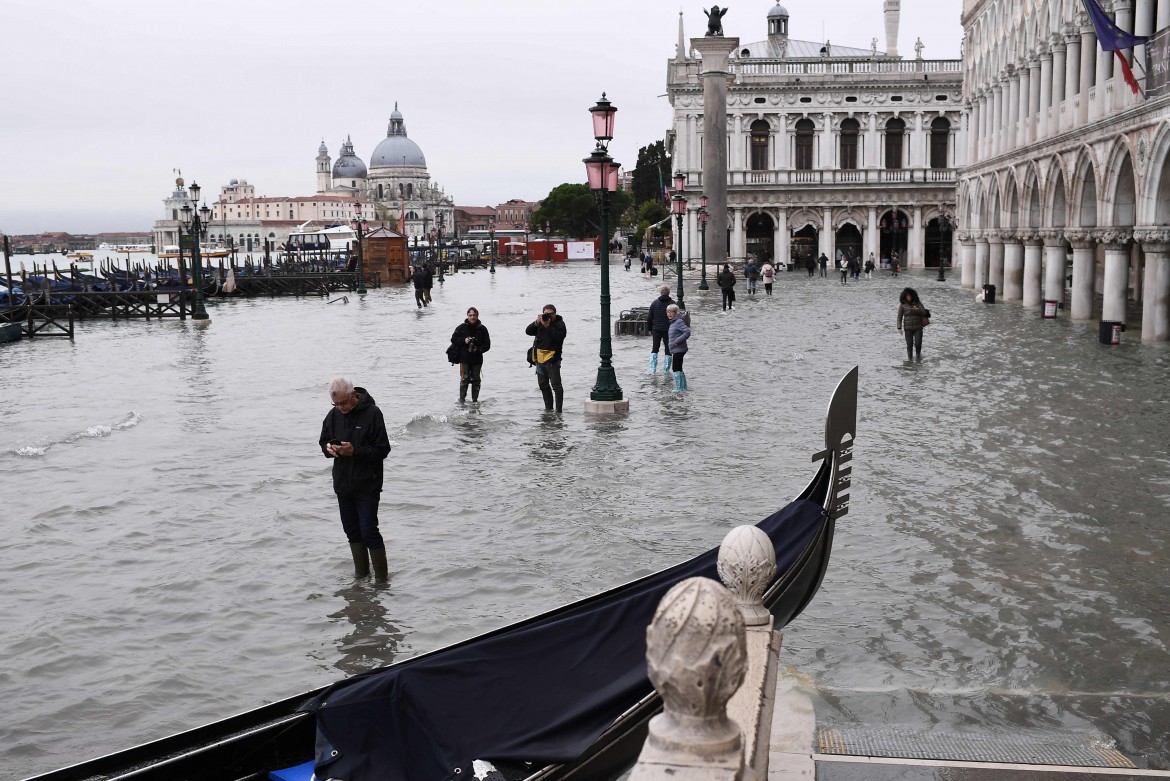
{"type": "Point", "coordinates": [1003, 562]}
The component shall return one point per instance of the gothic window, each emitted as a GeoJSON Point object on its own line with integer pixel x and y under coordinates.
{"type": "Point", "coordinates": [379, 192]}
{"type": "Point", "coordinates": [895, 132]}
{"type": "Point", "coordinates": [940, 133]}
{"type": "Point", "coordinates": [804, 145]}
{"type": "Point", "coordinates": [409, 190]}
{"type": "Point", "coordinates": [401, 190]}
{"type": "Point", "coordinates": [760, 131]}
{"type": "Point", "coordinates": [850, 131]}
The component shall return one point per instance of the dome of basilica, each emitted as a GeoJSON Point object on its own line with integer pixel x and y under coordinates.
{"type": "Point", "coordinates": [396, 150]}
{"type": "Point", "coordinates": [348, 165]}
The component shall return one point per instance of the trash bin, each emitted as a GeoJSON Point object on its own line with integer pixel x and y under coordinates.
{"type": "Point", "coordinates": [1109, 332]}
{"type": "Point", "coordinates": [792, 267]}
{"type": "Point", "coordinates": [989, 294]}
{"type": "Point", "coordinates": [1049, 310]}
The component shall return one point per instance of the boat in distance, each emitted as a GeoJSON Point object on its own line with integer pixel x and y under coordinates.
{"type": "Point", "coordinates": [572, 682]}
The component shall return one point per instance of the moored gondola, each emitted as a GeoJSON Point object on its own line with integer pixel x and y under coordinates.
{"type": "Point", "coordinates": [559, 696]}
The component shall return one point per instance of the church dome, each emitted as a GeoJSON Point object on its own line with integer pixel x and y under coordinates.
{"type": "Point", "coordinates": [396, 150]}
{"type": "Point", "coordinates": [777, 10]}
{"type": "Point", "coordinates": [348, 165]}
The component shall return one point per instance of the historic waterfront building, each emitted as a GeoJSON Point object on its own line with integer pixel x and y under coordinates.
{"type": "Point", "coordinates": [1069, 169]}
{"type": "Point", "coordinates": [830, 148]}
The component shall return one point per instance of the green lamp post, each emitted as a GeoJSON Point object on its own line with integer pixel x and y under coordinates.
{"type": "Point", "coordinates": [492, 242]}
{"type": "Point", "coordinates": [678, 205]}
{"type": "Point", "coordinates": [703, 216]}
{"type": "Point", "coordinates": [358, 223]}
{"type": "Point", "coordinates": [195, 222]}
{"type": "Point", "coordinates": [603, 180]}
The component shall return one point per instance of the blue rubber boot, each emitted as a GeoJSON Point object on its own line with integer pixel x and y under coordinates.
{"type": "Point", "coordinates": [684, 379]}
{"type": "Point", "coordinates": [653, 363]}
{"type": "Point", "coordinates": [666, 363]}
{"type": "Point", "coordinates": [678, 382]}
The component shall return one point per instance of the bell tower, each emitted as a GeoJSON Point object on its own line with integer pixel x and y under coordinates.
{"type": "Point", "coordinates": [324, 171]}
{"type": "Point", "coordinates": [893, 13]}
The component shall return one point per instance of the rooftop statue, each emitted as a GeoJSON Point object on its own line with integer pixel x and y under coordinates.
{"type": "Point", "coordinates": [715, 20]}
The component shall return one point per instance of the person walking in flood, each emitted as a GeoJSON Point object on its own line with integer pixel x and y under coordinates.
{"type": "Point", "coordinates": [548, 331]}
{"type": "Point", "coordinates": [844, 269]}
{"type": "Point", "coordinates": [768, 273]}
{"type": "Point", "coordinates": [677, 338]}
{"type": "Point", "coordinates": [428, 281]}
{"type": "Point", "coordinates": [823, 260]}
{"type": "Point", "coordinates": [726, 281]}
{"type": "Point", "coordinates": [659, 325]}
{"type": "Point", "coordinates": [419, 279]}
{"type": "Point", "coordinates": [472, 340]}
{"type": "Point", "coordinates": [912, 318]}
{"type": "Point", "coordinates": [751, 272]}
{"type": "Point", "coordinates": [353, 434]}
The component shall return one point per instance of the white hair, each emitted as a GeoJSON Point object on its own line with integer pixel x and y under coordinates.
{"type": "Point", "coordinates": [672, 308]}
{"type": "Point", "coordinates": [340, 387]}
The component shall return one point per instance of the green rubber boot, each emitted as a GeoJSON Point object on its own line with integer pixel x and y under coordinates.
{"type": "Point", "coordinates": [381, 570]}
{"type": "Point", "coordinates": [361, 560]}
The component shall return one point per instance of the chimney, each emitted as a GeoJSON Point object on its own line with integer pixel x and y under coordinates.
{"type": "Point", "coordinates": [893, 11]}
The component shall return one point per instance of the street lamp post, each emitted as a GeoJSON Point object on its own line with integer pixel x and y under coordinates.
{"type": "Point", "coordinates": [947, 225]}
{"type": "Point", "coordinates": [358, 222]}
{"type": "Point", "coordinates": [195, 221]}
{"type": "Point", "coordinates": [492, 242]}
{"type": "Point", "coordinates": [547, 237]}
{"type": "Point", "coordinates": [703, 240]}
{"type": "Point", "coordinates": [679, 207]}
{"type": "Point", "coordinates": [603, 180]}
{"type": "Point", "coordinates": [525, 245]}
{"type": "Point", "coordinates": [440, 222]}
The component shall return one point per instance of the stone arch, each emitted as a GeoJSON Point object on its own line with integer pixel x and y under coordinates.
{"type": "Point", "coordinates": [1056, 202]}
{"type": "Point", "coordinates": [973, 204]}
{"type": "Point", "coordinates": [1120, 190]}
{"type": "Point", "coordinates": [989, 217]}
{"type": "Point", "coordinates": [802, 218]}
{"type": "Point", "coordinates": [1011, 201]}
{"type": "Point", "coordinates": [1082, 190]}
{"type": "Point", "coordinates": [1154, 207]}
{"type": "Point", "coordinates": [1030, 198]}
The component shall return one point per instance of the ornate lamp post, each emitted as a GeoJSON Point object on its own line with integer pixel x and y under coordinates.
{"type": "Point", "coordinates": [547, 236]}
{"type": "Point", "coordinates": [440, 223]}
{"type": "Point", "coordinates": [194, 222]}
{"type": "Point", "coordinates": [678, 206]}
{"type": "Point", "coordinates": [947, 225]}
{"type": "Point", "coordinates": [358, 223]}
{"type": "Point", "coordinates": [525, 245]}
{"type": "Point", "coordinates": [603, 180]}
{"type": "Point", "coordinates": [492, 241]}
{"type": "Point", "coordinates": [703, 216]}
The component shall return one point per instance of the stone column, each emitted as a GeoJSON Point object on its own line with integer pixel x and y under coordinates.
{"type": "Point", "coordinates": [997, 131]}
{"type": "Point", "coordinates": [783, 239]}
{"type": "Point", "coordinates": [827, 146]}
{"type": "Point", "coordinates": [1163, 17]}
{"type": "Point", "coordinates": [1045, 93]}
{"type": "Point", "coordinates": [914, 250]}
{"type": "Point", "coordinates": [1143, 24]}
{"type": "Point", "coordinates": [1084, 273]}
{"type": "Point", "coordinates": [1054, 265]}
{"type": "Point", "coordinates": [737, 163]}
{"type": "Point", "coordinates": [738, 240]}
{"type": "Point", "coordinates": [782, 144]}
{"type": "Point", "coordinates": [873, 158]}
{"type": "Point", "coordinates": [1025, 103]}
{"type": "Point", "coordinates": [1011, 131]}
{"type": "Point", "coordinates": [995, 259]}
{"type": "Point", "coordinates": [1072, 72]}
{"type": "Point", "coordinates": [1035, 97]}
{"type": "Point", "coordinates": [972, 114]}
{"type": "Point", "coordinates": [967, 259]}
{"type": "Point", "coordinates": [1058, 78]}
{"type": "Point", "coordinates": [1116, 273]}
{"type": "Point", "coordinates": [1104, 73]}
{"type": "Point", "coordinates": [1156, 288]}
{"type": "Point", "coordinates": [1033, 252]}
{"type": "Point", "coordinates": [982, 256]}
{"type": "Point", "coordinates": [826, 237]}
{"type": "Point", "coordinates": [871, 235]}
{"type": "Point", "coordinates": [715, 50]}
{"type": "Point", "coordinates": [1013, 268]}
{"type": "Point", "coordinates": [1088, 59]}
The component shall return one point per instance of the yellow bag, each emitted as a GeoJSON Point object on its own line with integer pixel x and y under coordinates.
{"type": "Point", "coordinates": [537, 355]}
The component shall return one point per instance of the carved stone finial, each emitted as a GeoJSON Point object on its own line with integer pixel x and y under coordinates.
{"type": "Point", "coordinates": [696, 655]}
{"type": "Point", "coordinates": [747, 564]}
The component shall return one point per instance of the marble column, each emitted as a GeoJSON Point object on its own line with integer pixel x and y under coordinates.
{"type": "Point", "coordinates": [1104, 73]}
{"type": "Point", "coordinates": [1088, 59]}
{"type": "Point", "coordinates": [1143, 24]}
{"type": "Point", "coordinates": [997, 132]}
{"type": "Point", "coordinates": [738, 239]}
{"type": "Point", "coordinates": [915, 257]}
{"type": "Point", "coordinates": [1156, 298]}
{"type": "Point", "coordinates": [1013, 268]}
{"type": "Point", "coordinates": [1034, 98]}
{"type": "Point", "coordinates": [715, 51]}
{"type": "Point", "coordinates": [871, 235]}
{"type": "Point", "coordinates": [1011, 129]}
{"type": "Point", "coordinates": [827, 239]}
{"type": "Point", "coordinates": [1072, 74]}
{"type": "Point", "coordinates": [971, 117]}
{"type": "Point", "coordinates": [736, 163]}
{"type": "Point", "coordinates": [982, 255]}
{"type": "Point", "coordinates": [1045, 94]}
{"type": "Point", "coordinates": [1116, 274]}
{"type": "Point", "coordinates": [1084, 273]}
{"type": "Point", "coordinates": [1163, 16]}
{"type": "Point", "coordinates": [967, 259]}
{"type": "Point", "coordinates": [783, 238]}
{"type": "Point", "coordinates": [1055, 260]}
{"type": "Point", "coordinates": [1025, 104]}
{"type": "Point", "coordinates": [995, 259]}
{"type": "Point", "coordinates": [827, 146]}
{"type": "Point", "coordinates": [1059, 74]}
{"type": "Point", "coordinates": [1033, 253]}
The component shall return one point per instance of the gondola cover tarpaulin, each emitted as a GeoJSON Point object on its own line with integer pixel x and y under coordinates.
{"type": "Point", "coordinates": [539, 691]}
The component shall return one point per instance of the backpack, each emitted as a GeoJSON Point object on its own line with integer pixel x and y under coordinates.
{"type": "Point", "coordinates": [768, 273]}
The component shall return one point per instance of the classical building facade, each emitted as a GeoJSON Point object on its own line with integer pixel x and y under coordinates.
{"type": "Point", "coordinates": [830, 148]}
{"type": "Point", "coordinates": [1069, 169]}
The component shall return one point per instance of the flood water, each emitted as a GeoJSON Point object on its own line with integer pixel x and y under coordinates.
{"type": "Point", "coordinates": [170, 552]}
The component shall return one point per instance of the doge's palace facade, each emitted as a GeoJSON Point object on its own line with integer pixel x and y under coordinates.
{"type": "Point", "coordinates": [1069, 172]}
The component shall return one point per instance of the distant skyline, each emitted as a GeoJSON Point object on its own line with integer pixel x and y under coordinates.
{"type": "Point", "coordinates": [103, 101]}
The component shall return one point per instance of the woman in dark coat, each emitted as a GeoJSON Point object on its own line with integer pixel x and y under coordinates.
{"type": "Point", "coordinates": [912, 316]}
{"type": "Point", "coordinates": [726, 282]}
{"type": "Point", "coordinates": [472, 340]}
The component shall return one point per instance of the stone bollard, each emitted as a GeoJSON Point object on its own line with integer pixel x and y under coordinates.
{"type": "Point", "coordinates": [747, 564]}
{"type": "Point", "coordinates": [696, 657]}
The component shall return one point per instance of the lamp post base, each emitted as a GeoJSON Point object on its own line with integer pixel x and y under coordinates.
{"type": "Point", "coordinates": [606, 407]}
{"type": "Point", "coordinates": [202, 319]}
{"type": "Point", "coordinates": [703, 284]}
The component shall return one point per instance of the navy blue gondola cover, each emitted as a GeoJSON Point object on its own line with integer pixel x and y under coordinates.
{"type": "Point", "coordinates": [540, 691]}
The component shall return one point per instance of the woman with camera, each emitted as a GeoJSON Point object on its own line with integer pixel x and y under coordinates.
{"type": "Point", "coordinates": [472, 341]}
{"type": "Point", "coordinates": [548, 332]}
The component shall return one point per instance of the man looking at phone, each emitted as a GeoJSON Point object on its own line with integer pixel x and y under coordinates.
{"type": "Point", "coordinates": [354, 435]}
{"type": "Point", "coordinates": [549, 331]}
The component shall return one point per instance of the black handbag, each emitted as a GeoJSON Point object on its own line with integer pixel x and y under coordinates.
{"type": "Point", "coordinates": [453, 353]}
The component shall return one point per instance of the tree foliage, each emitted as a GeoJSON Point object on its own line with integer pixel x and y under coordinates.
{"type": "Point", "coordinates": [651, 173]}
{"type": "Point", "coordinates": [571, 210]}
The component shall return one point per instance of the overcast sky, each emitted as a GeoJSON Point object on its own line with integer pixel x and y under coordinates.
{"type": "Point", "coordinates": [102, 100]}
